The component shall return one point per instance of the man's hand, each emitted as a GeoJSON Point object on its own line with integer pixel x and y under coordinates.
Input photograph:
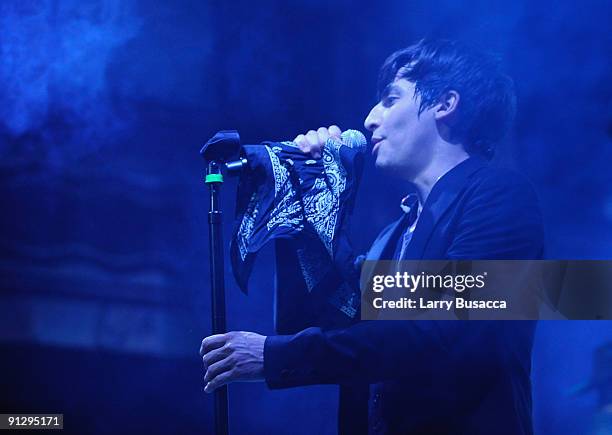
{"type": "Point", "coordinates": [231, 357]}
{"type": "Point", "coordinates": [314, 141]}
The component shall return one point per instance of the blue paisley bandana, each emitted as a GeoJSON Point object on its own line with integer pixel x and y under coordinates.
{"type": "Point", "coordinates": [303, 205]}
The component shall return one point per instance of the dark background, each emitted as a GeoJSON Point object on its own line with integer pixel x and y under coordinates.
{"type": "Point", "coordinates": [103, 249]}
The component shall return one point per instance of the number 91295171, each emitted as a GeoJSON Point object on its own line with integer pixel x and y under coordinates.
{"type": "Point", "coordinates": [31, 421]}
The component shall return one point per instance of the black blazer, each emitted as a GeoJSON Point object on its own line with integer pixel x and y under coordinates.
{"type": "Point", "coordinates": [435, 377]}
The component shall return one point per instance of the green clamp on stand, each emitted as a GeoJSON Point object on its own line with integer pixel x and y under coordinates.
{"type": "Point", "coordinates": [213, 178]}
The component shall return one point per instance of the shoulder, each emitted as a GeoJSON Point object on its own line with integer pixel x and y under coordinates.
{"type": "Point", "coordinates": [498, 216]}
{"type": "Point", "coordinates": [494, 177]}
{"type": "Point", "coordinates": [503, 187]}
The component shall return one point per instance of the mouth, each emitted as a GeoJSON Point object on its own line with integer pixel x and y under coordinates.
{"type": "Point", "coordinates": [375, 144]}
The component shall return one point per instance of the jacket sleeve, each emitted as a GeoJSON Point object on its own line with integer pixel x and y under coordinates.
{"type": "Point", "coordinates": [375, 351]}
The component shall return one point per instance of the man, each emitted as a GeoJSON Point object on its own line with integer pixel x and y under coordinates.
{"type": "Point", "coordinates": [442, 107]}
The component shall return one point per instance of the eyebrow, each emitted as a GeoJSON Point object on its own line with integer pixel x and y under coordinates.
{"type": "Point", "coordinates": [391, 87]}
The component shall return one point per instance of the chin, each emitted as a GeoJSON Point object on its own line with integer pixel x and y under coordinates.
{"type": "Point", "coordinates": [392, 169]}
{"type": "Point", "coordinates": [382, 165]}
{"type": "Point", "coordinates": [385, 165]}
{"type": "Point", "coordinates": [381, 162]}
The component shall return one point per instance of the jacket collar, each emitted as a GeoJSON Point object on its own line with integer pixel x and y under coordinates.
{"type": "Point", "coordinates": [442, 195]}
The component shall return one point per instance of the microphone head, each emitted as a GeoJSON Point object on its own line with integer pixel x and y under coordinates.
{"type": "Point", "coordinates": [354, 139]}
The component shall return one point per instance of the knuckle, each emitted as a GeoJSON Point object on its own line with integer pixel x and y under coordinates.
{"type": "Point", "coordinates": [213, 371]}
{"type": "Point", "coordinates": [334, 130]}
{"type": "Point", "coordinates": [220, 380]}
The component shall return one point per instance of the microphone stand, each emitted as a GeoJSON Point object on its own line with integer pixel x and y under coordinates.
{"type": "Point", "coordinates": [214, 180]}
{"type": "Point", "coordinates": [223, 145]}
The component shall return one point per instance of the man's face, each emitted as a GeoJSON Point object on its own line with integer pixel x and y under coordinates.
{"type": "Point", "coordinates": [402, 140]}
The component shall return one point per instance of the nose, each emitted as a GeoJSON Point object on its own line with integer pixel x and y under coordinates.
{"type": "Point", "coordinates": [372, 121]}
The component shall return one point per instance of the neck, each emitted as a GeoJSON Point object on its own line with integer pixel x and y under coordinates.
{"type": "Point", "coordinates": [446, 158]}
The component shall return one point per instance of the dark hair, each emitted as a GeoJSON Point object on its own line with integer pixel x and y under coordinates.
{"type": "Point", "coordinates": [487, 100]}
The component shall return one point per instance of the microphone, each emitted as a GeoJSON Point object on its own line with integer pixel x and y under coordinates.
{"type": "Point", "coordinates": [350, 138]}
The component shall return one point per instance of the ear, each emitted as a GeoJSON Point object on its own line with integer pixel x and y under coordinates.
{"type": "Point", "coordinates": [447, 106]}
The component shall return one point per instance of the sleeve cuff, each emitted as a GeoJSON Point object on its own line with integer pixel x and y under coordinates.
{"type": "Point", "coordinates": [276, 370]}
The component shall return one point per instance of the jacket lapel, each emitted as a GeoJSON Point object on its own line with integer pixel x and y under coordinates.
{"type": "Point", "coordinates": [444, 193]}
{"type": "Point", "coordinates": [384, 245]}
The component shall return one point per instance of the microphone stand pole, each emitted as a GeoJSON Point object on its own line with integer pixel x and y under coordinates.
{"type": "Point", "coordinates": [214, 180]}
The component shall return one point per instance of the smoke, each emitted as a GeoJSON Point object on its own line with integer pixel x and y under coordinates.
{"type": "Point", "coordinates": [54, 57]}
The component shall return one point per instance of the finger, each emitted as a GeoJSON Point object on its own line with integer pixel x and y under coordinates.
{"type": "Point", "coordinates": [313, 139]}
{"type": "Point", "coordinates": [323, 135]}
{"type": "Point", "coordinates": [334, 131]}
{"type": "Point", "coordinates": [219, 367]}
{"type": "Point", "coordinates": [302, 143]}
{"type": "Point", "coordinates": [215, 355]}
{"type": "Point", "coordinates": [314, 147]}
{"type": "Point", "coordinates": [300, 139]}
{"type": "Point", "coordinates": [223, 379]}
{"type": "Point", "coordinates": [314, 143]}
{"type": "Point", "coordinates": [212, 342]}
